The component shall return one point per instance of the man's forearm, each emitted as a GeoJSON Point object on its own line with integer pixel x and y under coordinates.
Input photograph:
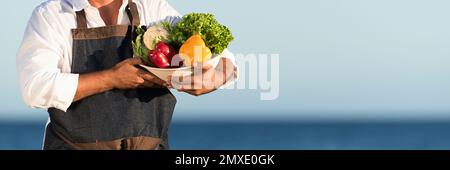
{"type": "Point", "coordinates": [93, 83]}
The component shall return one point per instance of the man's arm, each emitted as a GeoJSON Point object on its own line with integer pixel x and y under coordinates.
{"type": "Point", "coordinates": [93, 83]}
{"type": "Point", "coordinates": [123, 76]}
{"type": "Point", "coordinates": [45, 82]}
{"type": "Point", "coordinates": [210, 80]}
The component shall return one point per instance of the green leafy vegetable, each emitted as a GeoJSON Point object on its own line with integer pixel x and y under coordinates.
{"type": "Point", "coordinates": [216, 36]}
{"type": "Point", "coordinates": [139, 49]}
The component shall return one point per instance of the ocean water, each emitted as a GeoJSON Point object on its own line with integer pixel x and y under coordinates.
{"type": "Point", "coordinates": [273, 135]}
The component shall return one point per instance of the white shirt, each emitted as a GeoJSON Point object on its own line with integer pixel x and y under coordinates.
{"type": "Point", "coordinates": [45, 56]}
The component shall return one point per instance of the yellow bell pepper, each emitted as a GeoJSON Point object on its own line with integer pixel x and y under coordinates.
{"type": "Point", "coordinates": [195, 50]}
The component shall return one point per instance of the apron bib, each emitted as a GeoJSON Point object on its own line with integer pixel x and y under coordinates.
{"type": "Point", "coordinates": [116, 119]}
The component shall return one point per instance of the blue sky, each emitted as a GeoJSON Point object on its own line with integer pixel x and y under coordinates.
{"type": "Point", "coordinates": [338, 58]}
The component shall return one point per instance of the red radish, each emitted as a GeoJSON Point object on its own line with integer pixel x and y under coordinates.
{"type": "Point", "coordinates": [159, 59]}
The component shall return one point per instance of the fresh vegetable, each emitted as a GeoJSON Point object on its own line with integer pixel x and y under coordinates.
{"type": "Point", "coordinates": [195, 33]}
{"type": "Point", "coordinates": [145, 46]}
{"type": "Point", "coordinates": [162, 55]}
{"type": "Point", "coordinates": [139, 49]}
{"type": "Point", "coordinates": [217, 37]}
{"type": "Point", "coordinates": [154, 35]}
{"type": "Point", "coordinates": [166, 49]}
{"type": "Point", "coordinates": [159, 59]}
{"type": "Point", "coordinates": [195, 50]}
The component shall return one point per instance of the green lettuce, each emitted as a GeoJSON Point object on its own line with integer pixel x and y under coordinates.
{"type": "Point", "coordinates": [139, 49]}
{"type": "Point", "coordinates": [217, 37]}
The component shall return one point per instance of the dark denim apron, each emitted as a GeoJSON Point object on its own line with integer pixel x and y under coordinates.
{"type": "Point", "coordinates": [116, 119]}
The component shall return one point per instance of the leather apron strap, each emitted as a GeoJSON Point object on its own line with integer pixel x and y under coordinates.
{"type": "Point", "coordinates": [131, 11]}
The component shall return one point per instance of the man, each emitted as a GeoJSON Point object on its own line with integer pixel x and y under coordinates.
{"type": "Point", "coordinates": [76, 61]}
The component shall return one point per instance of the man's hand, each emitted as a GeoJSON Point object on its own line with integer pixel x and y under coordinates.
{"type": "Point", "coordinates": [205, 78]}
{"type": "Point", "coordinates": [124, 75]}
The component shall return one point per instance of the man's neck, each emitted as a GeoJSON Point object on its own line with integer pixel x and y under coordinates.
{"type": "Point", "coordinates": [109, 9]}
{"type": "Point", "coordinates": [102, 3]}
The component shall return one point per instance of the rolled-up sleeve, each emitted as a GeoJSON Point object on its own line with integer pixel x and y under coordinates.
{"type": "Point", "coordinates": [42, 83]}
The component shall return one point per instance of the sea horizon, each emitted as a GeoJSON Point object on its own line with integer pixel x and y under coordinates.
{"type": "Point", "coordinates": [275, 134]}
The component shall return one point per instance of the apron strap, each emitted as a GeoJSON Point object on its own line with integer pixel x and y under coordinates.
{"type": "Point", "coordinates": [133, 13]}
{"type": "Point", "coordinates": [81, 19]}
{"type": "Point", "coordinates": [131, 10]}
